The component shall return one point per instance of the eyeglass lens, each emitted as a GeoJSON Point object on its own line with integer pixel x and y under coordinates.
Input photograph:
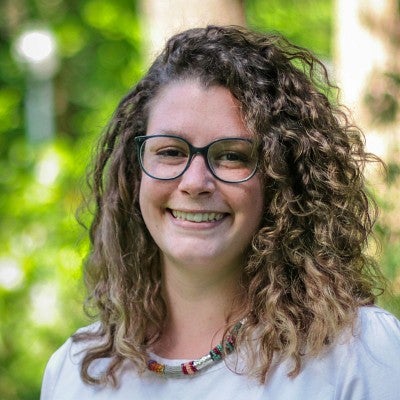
{"type": "Point", "coordinates": [165, 157]}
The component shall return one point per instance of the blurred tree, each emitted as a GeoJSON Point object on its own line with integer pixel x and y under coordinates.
{"type": "Point", "coordinates": [162, 18]}
{"type": "Point", "coordinates": [101, 43]}
{"type": "Point", "coordinates": [368, 70]}
{"type": "Point", "coordinates": [308, 23]}
{"type": "Point", "coordinates": [41, 245]}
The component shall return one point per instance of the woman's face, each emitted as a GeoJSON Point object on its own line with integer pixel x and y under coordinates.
{"type": "Point", "coordinates": [196, 220]}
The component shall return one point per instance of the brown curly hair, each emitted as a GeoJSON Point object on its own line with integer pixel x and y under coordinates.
{"type": "Point", "coordinates": [306, 271]}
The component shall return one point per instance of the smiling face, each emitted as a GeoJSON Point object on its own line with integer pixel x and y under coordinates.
{"type": "Point", "coordinates": [197, 220]}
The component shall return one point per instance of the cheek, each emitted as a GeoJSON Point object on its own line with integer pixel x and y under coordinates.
{"type": "Point", "coordinates": [146, 195]}
{"type": "Point", "coordinates": [142, 195]}
{"type": "Point", "coordinates": [147, 190]}
{"type": "Point", "coordinates": [149, 209]}
{"type": "Point", "coordinates": [153, 196]}
{"type": "Point", "coordinates": [255, 202]}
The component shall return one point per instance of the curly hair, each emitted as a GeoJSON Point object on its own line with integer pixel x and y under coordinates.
{"type": "Point", "coordinates": [307, 269]}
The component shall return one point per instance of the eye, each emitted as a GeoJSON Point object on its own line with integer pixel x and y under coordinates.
{"type": "Point", "coordinates": [231, 153]}
{"type": "Point", "coordinates": [172, 152]}
{"type": "Point", "coordinates": [168, 152]}
{"type": "Point", "coordinates": [233, 156]}
{"type": "Point", "coordinates": [166, 147]}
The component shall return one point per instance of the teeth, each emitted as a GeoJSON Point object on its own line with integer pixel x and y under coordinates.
{"type": "Point", "coordinates": [197, 217]}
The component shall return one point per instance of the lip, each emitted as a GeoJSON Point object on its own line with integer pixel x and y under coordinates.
{"type": "Point", "coordinates": [197, 216]}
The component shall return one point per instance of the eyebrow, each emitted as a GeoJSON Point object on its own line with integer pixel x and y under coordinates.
{"type": "Point", "coordinates": [172, 132]}
{"type": "Point", "coordinates": [184, 135]}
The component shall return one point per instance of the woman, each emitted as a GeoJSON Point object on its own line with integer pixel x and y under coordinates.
{"type": "Point", "coordinates": [228, 241]}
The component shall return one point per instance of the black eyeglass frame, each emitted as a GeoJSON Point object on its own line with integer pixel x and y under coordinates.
{"type": "Point", "coordinates": [193, 150]}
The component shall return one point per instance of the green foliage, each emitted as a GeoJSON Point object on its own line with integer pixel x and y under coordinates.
{"type": "Point", "coordinates": [308, 23]}
{"type": "Point", "coordinates": [41, 244]}
{"type": "Point", "coordinates": [383, 102]}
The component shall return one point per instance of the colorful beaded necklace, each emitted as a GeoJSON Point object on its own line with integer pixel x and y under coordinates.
{"type": "Point", "coordinates": [194, 366]}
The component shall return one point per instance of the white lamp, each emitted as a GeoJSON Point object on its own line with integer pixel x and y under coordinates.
{"type": "Point", "coordinates": [36, 51]}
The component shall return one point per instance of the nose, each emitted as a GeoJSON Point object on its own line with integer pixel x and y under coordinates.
{"type": "Point", "coordinates": [197, 179]}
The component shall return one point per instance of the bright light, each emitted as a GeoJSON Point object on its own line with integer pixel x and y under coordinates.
{"type": "Point", "coordinates": [375, 144]}
{"type": "Point", "coordinates": [36, 49]}
{"type": "Point", "coordinates": [11, 274]}
{"type": "Point", "coordinates": [48, 169]}
{"type": "Point", "coordinates": [36, 46]}
{"type": "Point", "coordinates": [44, 304]}
{"type": "Point", "coordinates": [34, 237]}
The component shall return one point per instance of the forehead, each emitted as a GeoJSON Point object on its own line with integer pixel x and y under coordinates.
{"type": "Point", "coordinates": [188, 108]}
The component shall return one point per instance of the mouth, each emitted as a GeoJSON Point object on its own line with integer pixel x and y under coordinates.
{"type": "Point", "coordinates": [197, 216]}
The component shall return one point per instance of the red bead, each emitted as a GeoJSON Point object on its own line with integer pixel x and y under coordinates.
{"type": "Point", "coordinates": [184, 370]}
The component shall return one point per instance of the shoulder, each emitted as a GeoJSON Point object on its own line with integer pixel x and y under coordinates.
{"type": "Point", "coordinates": [377, 329]}
{"type": "Point", "coordinates": [375, 313]}
{"type": "Point", "coordinates": [63, 367]}
{"type": "Point", "coordinates": [71, 350]}
{"type": "Point", "coordinates": [377, 337]}
{"type": "Point", "coordinates": [363, 364]}
{"type": "Point", "coordinates": [370, 365]}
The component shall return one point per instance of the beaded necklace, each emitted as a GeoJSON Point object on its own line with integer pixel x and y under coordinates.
{"type": "Point", "coordinates": [192, 367]}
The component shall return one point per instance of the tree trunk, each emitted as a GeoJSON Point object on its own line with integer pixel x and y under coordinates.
{"type": "Point", "coordinates": [162, 18]}
{"type": "Point", "coordinates": [368, 70]}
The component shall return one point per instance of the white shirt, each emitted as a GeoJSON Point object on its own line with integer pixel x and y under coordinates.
{"type": "Point", "coordinates": [363, 366]}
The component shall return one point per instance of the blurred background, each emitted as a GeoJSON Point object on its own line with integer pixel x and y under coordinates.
{"type": "Point", "coordinates": [64, 66]}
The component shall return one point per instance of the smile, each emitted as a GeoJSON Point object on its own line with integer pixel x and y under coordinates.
{"type": "Point", "coordinates": [197, 217]}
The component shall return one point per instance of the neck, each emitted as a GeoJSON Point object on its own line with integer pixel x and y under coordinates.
{"type": "Point", "coordinates": [200, 303]}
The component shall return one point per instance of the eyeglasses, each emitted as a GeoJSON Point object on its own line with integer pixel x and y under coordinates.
{"type": "Point", "coordinates": [167, 157]}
